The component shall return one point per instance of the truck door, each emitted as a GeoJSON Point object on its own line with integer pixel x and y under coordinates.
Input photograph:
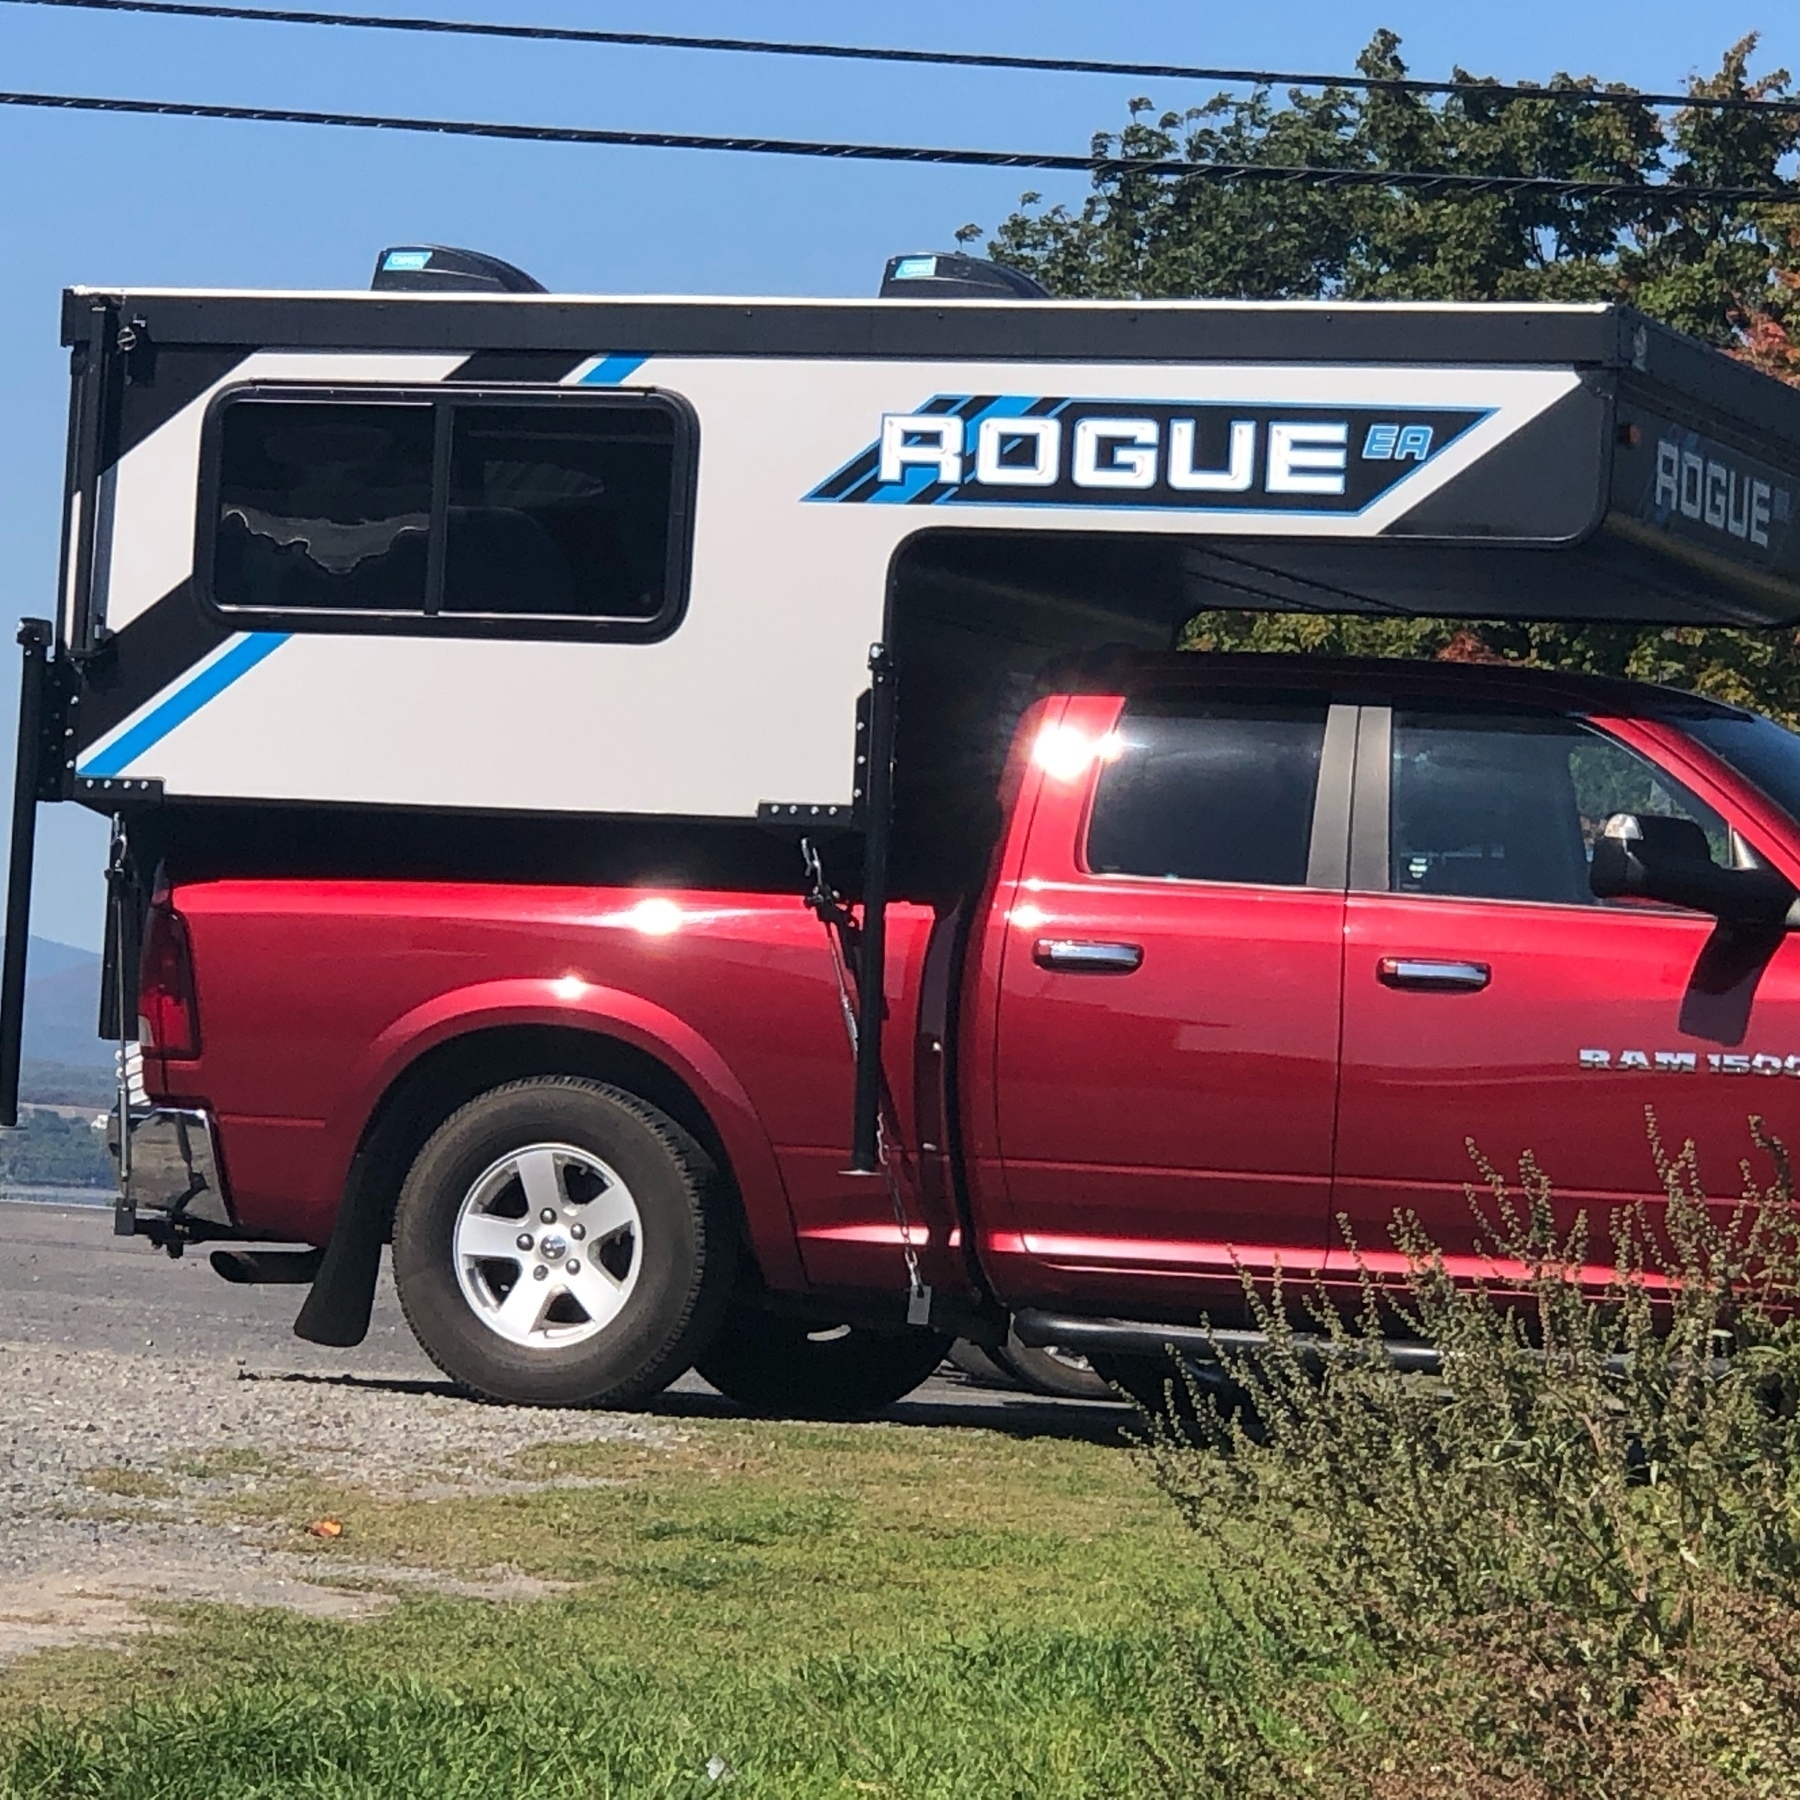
{"type": "Point", "coordinates": [1488, 997]}
{"type": "Point", "coordinates": [1166, 1049]}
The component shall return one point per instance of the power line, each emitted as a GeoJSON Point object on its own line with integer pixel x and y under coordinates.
{"type": "Point", "coordinates": [956, 59]}
{"type": "Point", "coordinates": [1431, 183]}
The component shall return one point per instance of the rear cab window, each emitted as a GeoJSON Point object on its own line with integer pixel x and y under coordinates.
{"type": "Point", "coordinates": [1210, 789]}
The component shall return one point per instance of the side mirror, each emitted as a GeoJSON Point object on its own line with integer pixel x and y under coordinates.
{"type": "Point", "coordinates": [1645, 856]}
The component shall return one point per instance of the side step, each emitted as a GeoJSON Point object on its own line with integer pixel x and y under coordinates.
{"type": "Point", "coordinates": [1138, 1337]}
{"type": "Point", "coordinates": [276, 1268]}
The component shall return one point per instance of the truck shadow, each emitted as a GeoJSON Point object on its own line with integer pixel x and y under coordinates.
{"type": "Point", "coordinates": [944, 1403]}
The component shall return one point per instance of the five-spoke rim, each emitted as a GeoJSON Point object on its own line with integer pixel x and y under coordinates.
{"type": "Point", "coordinates": [548, 1245]}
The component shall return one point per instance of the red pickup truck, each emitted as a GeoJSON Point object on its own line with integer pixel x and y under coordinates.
{"type": "Point", "coordinates": [1258, 946]}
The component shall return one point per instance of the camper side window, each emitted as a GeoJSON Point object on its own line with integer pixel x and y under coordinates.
{"type": "Point", "coordinates": [323, 505]}
{"type": "Point", "coordinates": [448, 511]}
{"type": "Point", "coordinates": [558, 512]}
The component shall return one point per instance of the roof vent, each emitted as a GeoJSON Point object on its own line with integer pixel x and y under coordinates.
{"type": "Point", "coordinates": [433, 269]}
{"type": "Point", "coordinates": [949, 275]}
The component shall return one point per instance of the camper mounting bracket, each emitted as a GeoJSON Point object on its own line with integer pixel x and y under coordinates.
{"type": "Point", "coordinates": [809, 815]}
{"type": "Point", "coordinates": [114, 787]}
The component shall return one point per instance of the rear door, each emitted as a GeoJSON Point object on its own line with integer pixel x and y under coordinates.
{"type": "Point", "coordinates": [1491, 1001]}
{"type": "Point", "coordinates": [1166, 1045]}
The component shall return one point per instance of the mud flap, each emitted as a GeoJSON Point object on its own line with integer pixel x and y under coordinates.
{"type": "Point", "coordinates": [342, 1298]}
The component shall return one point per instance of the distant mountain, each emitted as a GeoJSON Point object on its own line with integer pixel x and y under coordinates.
{"type": "Point", "coordinates": [62, 1002]}
{"type": "Point", "coordinates": [45, 956]}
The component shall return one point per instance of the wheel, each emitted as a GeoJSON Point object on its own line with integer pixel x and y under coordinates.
{"type": "Point", "coordinates": [1052, 1371]}
{"type": "Point", "coordinates": [786, 1366]}
{"type": "Point", "coordinates": [981, 1366]}
{"type": "Point", "coordinates": [559, 1242]}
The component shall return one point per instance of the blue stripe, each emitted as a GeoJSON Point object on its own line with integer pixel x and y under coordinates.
{"type": "Point", "coordinates": [609, 371]}
{"type": "Point", "coordinates": [181, 705]}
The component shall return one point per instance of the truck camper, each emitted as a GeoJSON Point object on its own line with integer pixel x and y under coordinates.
{"type": "Point", "coordinates": [680, 820]}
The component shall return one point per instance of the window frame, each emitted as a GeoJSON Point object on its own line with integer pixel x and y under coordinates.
{"type": "Point", "coordinates": [1371, 874]}
{"type": "Point", "coordinates": [444, 398]}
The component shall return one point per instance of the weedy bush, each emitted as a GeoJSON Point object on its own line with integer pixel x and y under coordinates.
{"type": "Point", "coordinates": [1567, 1565]}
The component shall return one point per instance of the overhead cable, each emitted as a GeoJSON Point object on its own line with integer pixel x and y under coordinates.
{"type": "Point", "coordinates": [956, 59]}
{"type": "Point", "coordinates": [1425, 181]}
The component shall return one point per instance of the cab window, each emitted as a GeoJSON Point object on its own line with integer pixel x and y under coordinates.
{"type": "Point", "coordinates": [1210, 791]}
{"type": "Point", "coordinates": [1507, 806]}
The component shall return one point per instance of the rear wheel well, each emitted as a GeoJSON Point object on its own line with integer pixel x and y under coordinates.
{"type": "Point", "coordinates": [447, 1077]}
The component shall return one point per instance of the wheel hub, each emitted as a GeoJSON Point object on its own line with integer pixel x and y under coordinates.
{"type": "Point", "coordinates": [548, 1246]}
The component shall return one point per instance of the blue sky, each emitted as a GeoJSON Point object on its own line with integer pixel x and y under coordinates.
{"type": "Point", "coordinates": [168, 202]}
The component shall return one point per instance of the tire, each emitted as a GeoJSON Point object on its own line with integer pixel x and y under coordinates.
{"type": "Point", "coordinates": [611, 1213]}
{"type": "Point", "coordinates": [982, 1366]}
{"type": "Point", "coordinates": [1054, 1372]}
{"type": "Point", "coordinates": [792, 1369]}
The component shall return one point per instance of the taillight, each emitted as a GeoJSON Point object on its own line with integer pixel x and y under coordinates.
{"type": "Point", "coordinates": [168, 1016]}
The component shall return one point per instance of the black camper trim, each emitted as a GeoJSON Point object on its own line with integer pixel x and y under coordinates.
{"type": "Point", "coordinates": [1020, 332]}
{"type": "Point", "coordinates": [445, 400]}
{"type": "Point", "coordinates": [94, 434]}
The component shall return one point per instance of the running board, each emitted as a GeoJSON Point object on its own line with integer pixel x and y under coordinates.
{"type": "Point", "coordinates": [1138, 1337]}
{"type": "Point", "coordinates": [276, 1268]}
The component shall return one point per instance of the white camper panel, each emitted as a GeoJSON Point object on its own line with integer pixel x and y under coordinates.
{"type": "Point", "coordinates": [752, 697]}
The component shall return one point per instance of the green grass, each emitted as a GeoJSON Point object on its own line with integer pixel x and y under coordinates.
{"type": "Point", "coordinates": [227, 1460]}
{"type": "Point", "coordinates": [130, 1484]}
{"type": "Point", "coordinates": [833, 1611]}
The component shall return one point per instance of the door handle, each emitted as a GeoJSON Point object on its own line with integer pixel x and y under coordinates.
{"type": "Point", "coordinates": [1081, 956]}
{"type": "Point", "coordinates": [1431, 975]}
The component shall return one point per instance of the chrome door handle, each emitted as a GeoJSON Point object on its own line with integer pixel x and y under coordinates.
{"type": "Point", "coordinates": [1430, 974]}
{"type": "Point", "coordinates": [1081, 956]}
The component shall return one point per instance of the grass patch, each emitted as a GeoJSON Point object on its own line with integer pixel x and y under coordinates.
{"type": "Point", "coordinates": [130, 1484]}
{"type": "Point", "coordinates": [830, 1610]}
{"type": "Point", "coordinates": [1027, 1712]}
{"type": "Point", "coordinates": [221, 1464]}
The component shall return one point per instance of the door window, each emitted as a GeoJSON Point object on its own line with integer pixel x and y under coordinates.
{"type": "Point", "coordinates": [1210, 791]}
{"type": "Point", "coordinates": [1507, 806]}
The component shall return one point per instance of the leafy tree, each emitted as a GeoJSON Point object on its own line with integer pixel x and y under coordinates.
{"type": "Point", "coordinates": [1727, 274]}
{"type": "Point", "coordinates": [51, 1150]}
{"type": "Point", "coordinates": [1718, 271]}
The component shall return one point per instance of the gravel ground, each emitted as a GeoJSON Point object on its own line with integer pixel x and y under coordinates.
{"type": "Point", "coordinates": [119, 1361]}
{"type": "Point", "coordinates": [109, 1460]}
{"type": "Point", "coordinates": [109, 1454]}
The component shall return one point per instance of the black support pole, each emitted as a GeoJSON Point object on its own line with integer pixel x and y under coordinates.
{"type": "Point", "coordinates": [871, 975]}
{"type": "Point", "coordinates": [34, 640]}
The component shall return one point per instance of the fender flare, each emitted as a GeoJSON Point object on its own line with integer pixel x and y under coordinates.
{"type": "Point", "coordinates": [337, 1309]}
